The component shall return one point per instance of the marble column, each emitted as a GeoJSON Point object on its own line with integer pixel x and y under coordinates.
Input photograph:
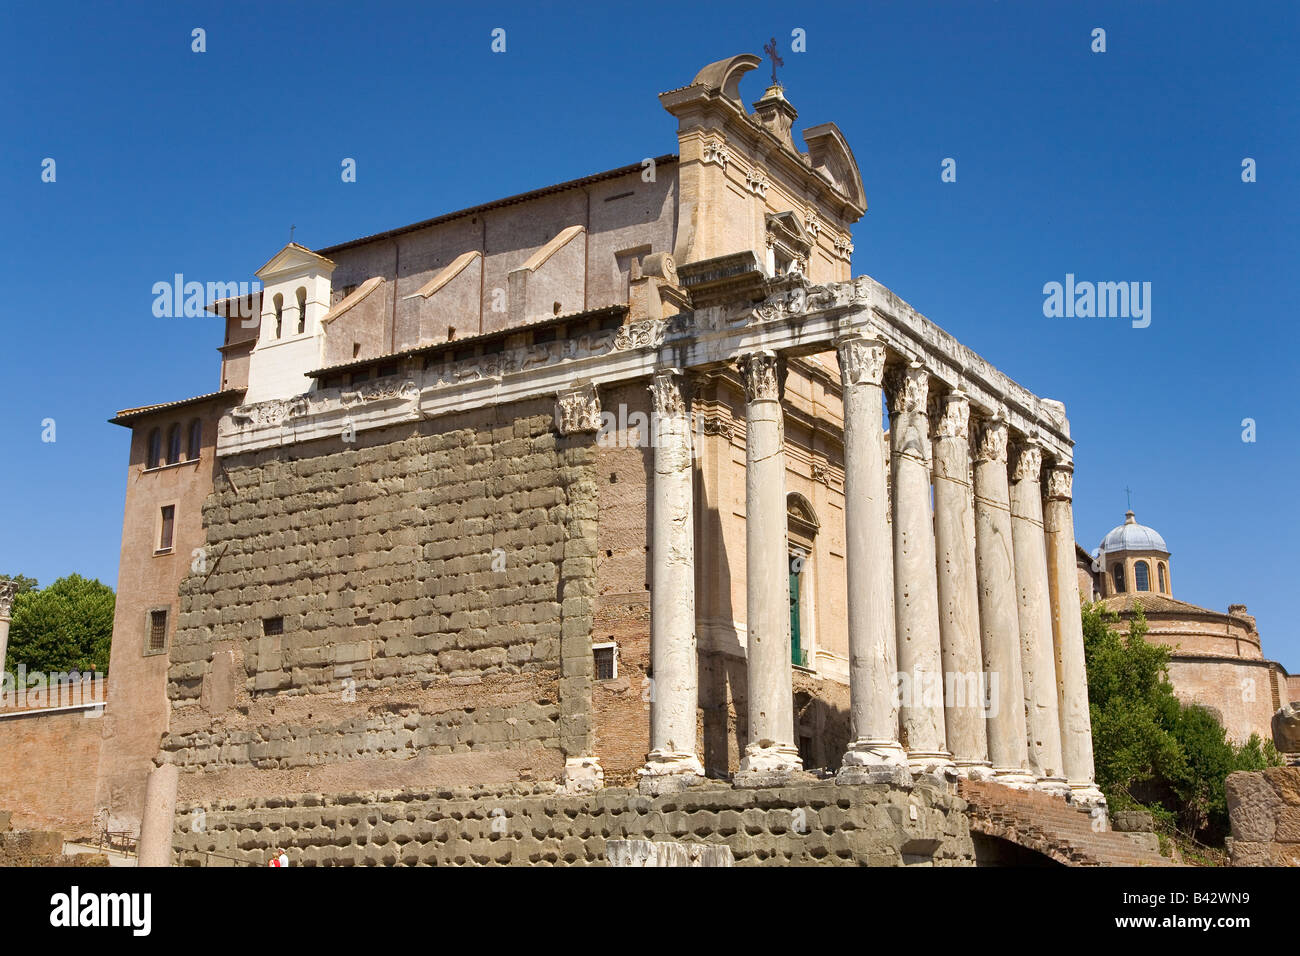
{"type": "Point", "coordinates": [1037, 654]}
{"type": "Point", "coordinates": [874, 754]}
{"type": "Point", "coordinates": [995, 572]}
{"type": "Point", "coordinates": [7, 591]}
{"type": "Point", "coordinates": [158, 821]}
{"type": "Point", "coordinates": [916, 596]}
{"type": "Point", "coordinates": [672, 589]}
{"type": "Point", "coordinates": [1067, 633]}
{"type": "Point", "coordinates": [770, 753]}
{"type": "Point", "coordinates": [959, 620]}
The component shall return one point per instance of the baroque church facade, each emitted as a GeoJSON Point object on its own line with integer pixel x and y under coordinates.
{"type": "Point", "coordinates": [623, 481]}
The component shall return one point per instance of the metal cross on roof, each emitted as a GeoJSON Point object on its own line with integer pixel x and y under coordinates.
{"type": "Point", "coordinates": [1129, 491]}
{"type": "Point", "coordinates": [770, 49]}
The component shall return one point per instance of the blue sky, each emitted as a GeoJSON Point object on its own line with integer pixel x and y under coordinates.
{"type": "Point", "coordinates": [1116, 166]}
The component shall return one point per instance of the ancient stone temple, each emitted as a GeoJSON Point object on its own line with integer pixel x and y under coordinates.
{"type": "Point", "coordinates": [593, 485]}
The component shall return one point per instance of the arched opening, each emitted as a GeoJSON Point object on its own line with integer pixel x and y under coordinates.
{"type": "Point", "coordinates": [279, 314]}
{"type": "Point", "coordinates": [153, 455]}
{"type": "Point", "coordinates": [1117, 573]}
{"type": "Point", "coordinates": [196, 440]}
{"type": "Point", "coordinates": [302, 311]}
{"type": "Point", "coordinates": [1164, 580]}
{"type": "Point", "coordinates": [1142, 576]}
{"type": "Point", "coordinates": [802, 527]}
{"type": "Point", "coordinates": [174, 444]}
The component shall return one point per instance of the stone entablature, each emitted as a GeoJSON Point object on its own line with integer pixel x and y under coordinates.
{"type": "Point", "coordinates": [796, 318]}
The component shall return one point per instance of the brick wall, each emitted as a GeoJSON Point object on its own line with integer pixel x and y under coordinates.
{"type": "Point", "coordinates": [436, 585]}
{"type": "Point", "coordinates": [818, 822]}
{"type": "Point", "coordinates": [48, 764]}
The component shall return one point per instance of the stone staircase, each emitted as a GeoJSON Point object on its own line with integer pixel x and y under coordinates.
{"type": "Point", "coordinates": [1052, 827]}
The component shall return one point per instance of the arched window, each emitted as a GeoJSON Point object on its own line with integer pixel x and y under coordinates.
{"type": "Point", "coordinates": [173, 444]}
{"type": "Point", "coordinates": [1142, 576]}
{"type": "Point", "coordinates": [1164, 583]}
{"type": "Point", "coordinates": [279, 314]}
{"type": "Point", "coordinates": [196, 440]}
{"type": "Point", "coordinates": [1117, 573]}
{"type": "Point", "coordinates": [302, 311]}
{"type": "Point", "coordinates": [153, 457]}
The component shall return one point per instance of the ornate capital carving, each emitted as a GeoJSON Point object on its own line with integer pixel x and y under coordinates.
{"type": "Point", "coordinates": [7, 591]}
{"type": "Point", "coordinates": [1060, 482]}
{"type": "Point", "coordinates": [862, 361]}
{"type": "Point", "coordinates": [715, 151]}
{"type": "Point", "coordinates": [908, 388]}
{"type": "Point", "coordinates": [991, 440]}
{"type": "Point", "coordinates": [951, 415]}
{"type": "Point", "coordinates": [668, 393]}
{"type": "Point", "coordinates": [577, 410]}
{"type": "Point", "coordinates": [1027, 461]}
{"type": "Point", "coordinates": [762, 376]}
{"type": "Point", "coordinates": [637, 335]}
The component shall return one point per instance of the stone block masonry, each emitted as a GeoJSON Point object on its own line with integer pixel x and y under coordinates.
{"type": "Point", "coordinates": [423, 592]}
{"type": "Point", "coordinates": [813, 823]}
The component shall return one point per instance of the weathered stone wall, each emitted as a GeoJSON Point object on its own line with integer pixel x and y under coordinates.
{"type": "Point", "coordinates": [1264, 810]}
{"type": "Point", "coordinates": [1240, 692]}
{"type": "Point", "coordinates": [812, 823]}
{"type": "Point", "coordinates": [435, 582]}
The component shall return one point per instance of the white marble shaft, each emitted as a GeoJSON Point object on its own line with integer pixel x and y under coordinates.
{"type": "Point", "coordinates": [159, 816]}
{"type": "Point", "coordinates": [874, 753]}
{"type": "Point", "coordinates": [916, 597]}
{"type": "Point", "coordinates": [770, 747]}
{"type": "Point", "coordinates": [1037, 654]}
{"type": "Point", "coordinates": [672, 595]}
{"type": "Point", "coordinates": [995, 573]}
{"type": "Point", "coordinates": [1067, 631]}
{"type": "Point", "coordinates": [959, 622]}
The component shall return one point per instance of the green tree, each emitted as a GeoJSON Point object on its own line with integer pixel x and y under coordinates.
{"type": "Point", "coordinates": [1151, 750]}
{"type": "Point", "coordinates": [64, 627]}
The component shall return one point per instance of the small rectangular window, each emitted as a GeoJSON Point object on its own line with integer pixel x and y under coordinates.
{"type": "Point", "coordinates": [168, 525]}
{"type": "Point", "coordinates": [157, 631]}
{"type": "Point", "coordinates": [271, 626]}
{"type": "Point", "coordinates": [606, 659]}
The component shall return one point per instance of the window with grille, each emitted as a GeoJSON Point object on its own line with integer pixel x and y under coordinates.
{"type": "Point", "coordinates": [606, 656]}
{"type": "Point", "coordinates": [157, 630]}
{"type": "Point", "coordinates": [272, 626]}
{"type": "Point", "coordinates": [168, 526]}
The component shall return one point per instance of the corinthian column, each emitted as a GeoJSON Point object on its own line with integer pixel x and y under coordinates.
{"type": "Point", "coordinates": [995, 573]}
{"type": "Point", "coordinates": [1037, 655]}
{"type": "Point", "coordinates": [7, 591]}
{"type": "Point", "coordinates": [874, 754]}
{"type": "Point", "coordinates": [959, 624]}
{"type": "Point", "coordinates": [672, 592]}
{"type": "Point", "coordinates": [771, 752]}
{"type": "Point", "coordinates": [916, 598]}
{"type": "Point", "coordinates": [1067, 631]}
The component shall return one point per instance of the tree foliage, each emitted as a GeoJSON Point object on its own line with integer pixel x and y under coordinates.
{"type": "Point", "coordinates": [64, 627]}
{"type": "Point", "coordinates": [1151, 750]}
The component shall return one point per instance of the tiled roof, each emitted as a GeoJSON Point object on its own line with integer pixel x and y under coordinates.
{"type": "Point", "coordinates": [1149, 601]}
{"type": "Point", "coordinates": [127, 414]}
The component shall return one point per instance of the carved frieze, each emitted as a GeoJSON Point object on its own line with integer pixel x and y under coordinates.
{"type": "Point", "coordinates": [714, 425]}
{"type": "Point", "coordinates": [639, 335]}
{"type": "Point", "coordinates": [577, 409]}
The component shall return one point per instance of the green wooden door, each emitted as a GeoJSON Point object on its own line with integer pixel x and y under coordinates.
{"type": "Point", "coordinates": [796, 653]}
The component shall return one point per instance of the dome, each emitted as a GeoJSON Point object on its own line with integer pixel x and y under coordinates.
{"type": "Point", "coordinates": [1131, 536]}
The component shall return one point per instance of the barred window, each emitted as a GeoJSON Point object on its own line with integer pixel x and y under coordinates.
{"type": "Point", "coordinates": [272, 626]}
{"type": "Point", "coordinates": [157, 630]}
{"type": "Point", "coordinates": [606, 659]}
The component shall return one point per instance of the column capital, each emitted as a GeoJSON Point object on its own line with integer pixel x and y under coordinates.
{"type": "Point", "coordinates": [908, 388]}
{"type": "Point", "coordinates": [1060, 482]}
{"type": "Point", "coordinates": [862, 359]}
{"type": "Point", "coordinates": [577, 409]}
{"type": "Point", "coordinates": [762, 374]}
{"type": "Point", "coordinates": [950, 415]}
{"type": "Point", "coordinates": [991, 440]}
{"type": "Point", "coordinates": [7, 591]}
{"type": "Point", "coordinates": [669, 392]}
{"type": "Point", "coordinates": [1026, 460]}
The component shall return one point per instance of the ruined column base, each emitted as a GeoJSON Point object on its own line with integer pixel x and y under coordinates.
{"type": "Point", "coordinates": [874, 761]}
{"type": "Point", "coordinates": [582, 775]}
{"type": "Point", "coordinates": [768, 766]}
{"type": "Point", "coordinates": [669, 772]}
{"type": "Point", "coordinates": [1056, 786]}
{"type": "Point", "coordinates": [974, 769]}
{"type": "Point", "coordinates": [1017, 778]}
{"type": "Point", "coordinates": [935, 763]}
{"type": "Point", "coordinates": [1087, 795]}
{"type": "Point", "coordinates": [156, 826]}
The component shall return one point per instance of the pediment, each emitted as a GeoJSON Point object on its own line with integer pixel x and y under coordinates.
{"type": "Point", "coordinates": [829, 153]}
{"type": "Point", "coordinates": [293, 259]}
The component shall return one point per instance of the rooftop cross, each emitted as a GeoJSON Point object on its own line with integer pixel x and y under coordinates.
{"type": "Point", "coordinates": [770, 49]}
{"type": "Point", "coordinates": [1129, 491]}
